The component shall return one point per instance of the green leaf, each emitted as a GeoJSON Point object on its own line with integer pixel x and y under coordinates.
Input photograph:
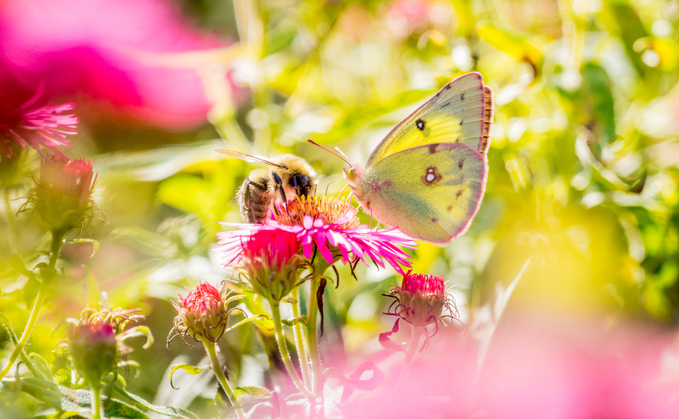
{"type": "Point", "coordinates": [139, 331]}
{"type": "Point", "coordinates": [293, 321]}
{"type": "Point", "coordinates": [18, 265]}
{"type": "Point", "coordinates": [41, 365]}
{"type": "Point", "coordinates": [252, 391]}
{"type": "Point", "coordinates": [191, 369]}
{"type": "Point", "coordinates": [189, 193]}
{"type": "Point", "coordinates": [247, 320]}
{"type": "Point", "coordinates": [597, 97]}
{"type": "Point", "coordinates": [68, 400]}
{"type": "Point", "coordinates": [163, 410]}
{"type": "Point", "coordinates": [514, 43]}
{"type": "Point", "coordinates": [265, 324]}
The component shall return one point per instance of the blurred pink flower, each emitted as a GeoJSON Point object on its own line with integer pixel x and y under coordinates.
{"type": "Point", "coordinates": [110, 51]}
{"type": "Point", "coordinates": [32, 125]}
{"type": "Point", "coordinates": [538, 366]}
{"type": "Point", "coordinates": [326, 224]}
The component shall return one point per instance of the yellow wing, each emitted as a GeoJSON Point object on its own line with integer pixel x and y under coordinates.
{"type": "Point", "coordinates": [429, 192]}
{"type": "Point", "coordinates": [461, 112]}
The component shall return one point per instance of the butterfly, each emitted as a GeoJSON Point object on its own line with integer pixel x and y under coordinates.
{"type": "Point", "coordinates": [428, 175]}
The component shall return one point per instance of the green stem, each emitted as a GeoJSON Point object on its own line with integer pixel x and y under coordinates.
{"type": "Point", "coordinates": [300, 339]}
{"type": "Point", "coordinates": [312, 322]}
{"type": "Point", "coordinates": [13, 237]}
{"type": "Point", "coordinates": [211, 350]}
{"type": "Point", "coordinates": [57, 241]}
{"type": "Point", "coordinates": [96, 402]}
{"type": "Point", "coordinates": [410, 355]}
{"type": "Point", "coordinates": [283, 348]}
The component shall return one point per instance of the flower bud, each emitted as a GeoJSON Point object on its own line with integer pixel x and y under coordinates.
{"type": "Point", "coordinates": [421, 299]}
{"type": "Point", "coordinates": [62, 196]}
{"type": "Point", "coordinates": [270, 262]}
{"type": "Point", "coordinates": [202, 313]}
{"type": "Point", "coordinates": [93, 348]}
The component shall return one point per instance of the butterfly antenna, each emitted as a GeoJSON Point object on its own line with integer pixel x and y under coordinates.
{"type": "Point", "coordinates": [337, 149]}
{"type": "Point", "coordinates": [334, 153]}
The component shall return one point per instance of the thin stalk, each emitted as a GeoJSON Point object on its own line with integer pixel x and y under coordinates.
{"type": "Point", "coordinates": [410, 355]}
{"type": "Point", "coordinates": [312, 321]}
{"type": "Point", "coordinates": [13, 237]}
{"type": "Point", "coordinates": [300, 339]}
{"type": "Point", "coordinates": [283, 348]}
{"type": "Point", "coordinates": [96, 402]}
{"type": "Point", "coordinates": [57, 242]}
{"type": "Point", "coordinates": [211, 350]}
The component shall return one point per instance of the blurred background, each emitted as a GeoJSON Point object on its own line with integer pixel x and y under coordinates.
{"type": "Point", "coordinates": [582, 191]}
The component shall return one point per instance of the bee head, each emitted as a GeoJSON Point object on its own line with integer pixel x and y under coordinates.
{"type": "Point", "coordinates": [302, 184]}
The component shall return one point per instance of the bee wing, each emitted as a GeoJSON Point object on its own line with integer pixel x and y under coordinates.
{"type": "Point", "coordinates": [247, 157]}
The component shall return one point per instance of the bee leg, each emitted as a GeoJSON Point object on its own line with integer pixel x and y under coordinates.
{"type": "Point", "coordinates": [246, 199]}
{"type": "Point", "coordinates": [279, 181]}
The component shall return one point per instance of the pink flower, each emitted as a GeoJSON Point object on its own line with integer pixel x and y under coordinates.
{"type": "Point", "coordinates": [421, 300]}
{"type": "Point", "coordinates": [33, 125]}
{"type": "Point", "coordinates": [329, 225]}
{"type": "Point", "coordinates": [270, 261]}
{"type": "Point", "coordinates": [423, 284]}
{"type": "Point", "coordinates": [199, 302]}
{"type": "Point", "coordinates": [275, 249]}
{"type": "Point", "coordinates": [118, 53]}
{"type": "Point", "coordinates": [202, 314]}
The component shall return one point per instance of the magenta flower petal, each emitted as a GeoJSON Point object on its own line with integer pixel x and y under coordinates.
{"type": "Point", "coordinates": [327, 229]}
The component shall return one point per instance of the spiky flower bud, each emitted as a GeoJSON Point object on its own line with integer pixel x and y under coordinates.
{"type": "Point", "coordinates": [270, 261]}
{"type": "Point", "coordinates": [421, 299]}
{"type": "Point", "coordinates": [201, 314]}
{"type": "Point", "coordinates": [62, 196]}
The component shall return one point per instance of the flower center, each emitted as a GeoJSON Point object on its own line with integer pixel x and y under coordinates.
{"type": "Point", "coordinates": [328, 210]}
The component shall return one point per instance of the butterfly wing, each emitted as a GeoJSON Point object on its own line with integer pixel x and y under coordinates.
{"type": "Point", "coordinates": [461, 112]}
{"type": "Point", "coordinates": [430, 192]}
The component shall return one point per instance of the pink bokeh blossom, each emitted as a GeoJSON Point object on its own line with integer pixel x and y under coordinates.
{"type": "Point", "coordinates": [31, 125]}
{"type": "Point", "coordinates": [109, 51]}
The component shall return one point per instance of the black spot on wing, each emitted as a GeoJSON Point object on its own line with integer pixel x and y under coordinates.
{"type": "Point", "coordinates": [420, 124]}
{"type": "Point", "coordinates": [460, 163]}
{"type": "Point", "coordinates": [462, 97]}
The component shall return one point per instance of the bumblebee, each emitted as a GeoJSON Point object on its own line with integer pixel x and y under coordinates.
{"type": "Point", "coordinates": [287, 175]}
